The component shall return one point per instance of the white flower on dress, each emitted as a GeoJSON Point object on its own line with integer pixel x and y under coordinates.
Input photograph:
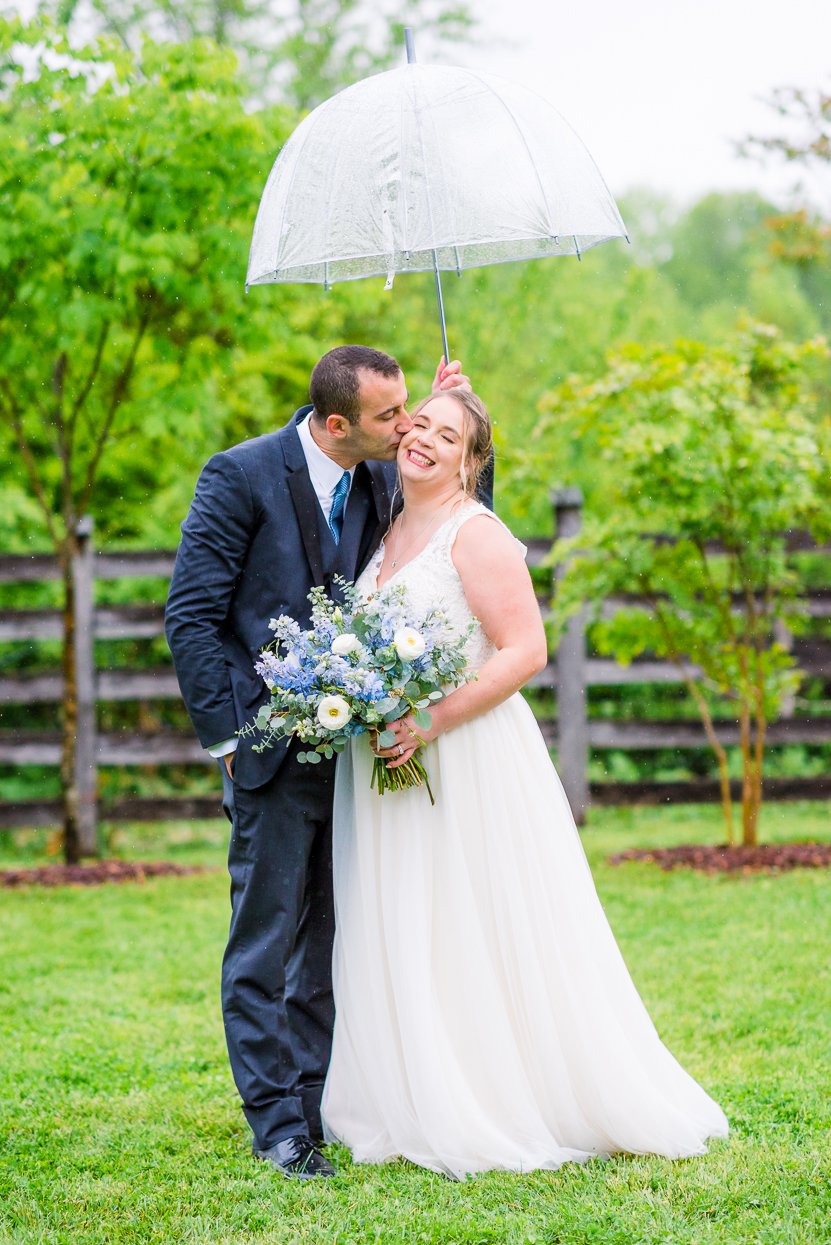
{"type": "Point", "coordinates": [333, 712]}
{"type": "Point", "coordinates": [408, 643]}
{"type": "Point", "coordinates": [346, 643]}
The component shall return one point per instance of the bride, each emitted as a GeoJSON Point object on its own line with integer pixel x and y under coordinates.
{"type": "Point", "coordinates": [484, 1016]}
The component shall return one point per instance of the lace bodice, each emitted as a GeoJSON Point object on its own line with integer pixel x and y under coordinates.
{"type": "Point", "coordinates": [432, 580]}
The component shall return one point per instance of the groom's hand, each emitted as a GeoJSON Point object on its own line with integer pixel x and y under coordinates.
{"type": "Point", "coordinates": [450, 376]}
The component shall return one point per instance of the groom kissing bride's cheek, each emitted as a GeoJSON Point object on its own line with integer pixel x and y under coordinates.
{"type": "Point", "coordinates": [485, 1018]}
{"type": "Point", "coordinates": [271, 519]}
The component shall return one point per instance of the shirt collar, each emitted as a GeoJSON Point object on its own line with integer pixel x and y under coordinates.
{"type": "Point", "coordinates": [325, 472]}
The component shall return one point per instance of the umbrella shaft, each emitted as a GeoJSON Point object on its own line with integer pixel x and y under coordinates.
{"type": "Point", "coordinates": [440, 300]}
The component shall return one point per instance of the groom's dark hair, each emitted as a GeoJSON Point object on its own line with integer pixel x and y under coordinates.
{"type": "Point", "coordinates": [335, 384]}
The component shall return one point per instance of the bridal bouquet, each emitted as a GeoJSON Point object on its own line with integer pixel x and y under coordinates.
{"type": "Point", "coordinates": [359, 667]}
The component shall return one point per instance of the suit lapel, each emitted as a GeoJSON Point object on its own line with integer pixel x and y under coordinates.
{"type": "Point", "coordinates": [309, 515]}
{"type": "Point", "coordinates": [369, 509]}
{"type": "Point", "coordinates": [359, 507]}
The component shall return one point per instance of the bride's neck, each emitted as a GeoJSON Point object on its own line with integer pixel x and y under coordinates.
{"type": "Point", "coordinates": [420, 504]}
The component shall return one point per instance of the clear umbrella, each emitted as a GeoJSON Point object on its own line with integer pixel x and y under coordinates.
{"type": "Point", "coordinates": [427, 168]}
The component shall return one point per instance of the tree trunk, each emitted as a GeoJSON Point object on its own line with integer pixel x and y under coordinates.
{"type": "Point", "coordinates": [751, 822]}
{"type": "Point", "coordinates": [748, 819]}
{"type": "Point", "coordinates": [726, 799]}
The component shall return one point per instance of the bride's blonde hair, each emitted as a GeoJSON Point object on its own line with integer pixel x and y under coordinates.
{"type": "Point", "coordinates": [477, 434]}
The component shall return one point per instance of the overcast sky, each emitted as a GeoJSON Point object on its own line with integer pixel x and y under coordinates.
{"type": "Point", "coordinates": [660, 89]}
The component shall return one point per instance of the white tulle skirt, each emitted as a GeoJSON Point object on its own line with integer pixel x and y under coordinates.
{"type": "Point", "coordinates": [485, 1016]}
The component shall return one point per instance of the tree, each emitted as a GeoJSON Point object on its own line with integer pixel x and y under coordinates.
{"type": "Point", "coordinates": [801, 236]}
{"type": "Point", "coordinates": [128, 183]}
{"type": "Point", "coordinates": [710, 456]}
{"type": "Point", "coordinates": [298, 52]}
{"type": "Point", "coordinates": [716, 245]}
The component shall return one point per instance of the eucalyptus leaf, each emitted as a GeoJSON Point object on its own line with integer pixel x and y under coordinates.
{"type": "Point", "coordinates": [387, 705]}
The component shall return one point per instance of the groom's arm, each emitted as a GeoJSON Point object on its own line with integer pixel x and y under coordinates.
{"type": "Point", "coordinates": [215, 539]}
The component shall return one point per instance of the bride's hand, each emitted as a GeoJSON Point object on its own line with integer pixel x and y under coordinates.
{"type": "Point", "coordinates": [450, 376]}
{"type": "Point", "coordinates": [408, 739]}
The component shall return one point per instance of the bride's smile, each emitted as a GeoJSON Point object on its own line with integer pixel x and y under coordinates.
{"type": "Point", "coordinates": [434, 448]}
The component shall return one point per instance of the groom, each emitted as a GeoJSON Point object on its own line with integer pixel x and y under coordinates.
{"type": "Point", "coordinates": [270, 519]}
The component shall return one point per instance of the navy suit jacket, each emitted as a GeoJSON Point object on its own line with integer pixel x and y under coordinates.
{"type": "Point", "coordinates": [254, 543]}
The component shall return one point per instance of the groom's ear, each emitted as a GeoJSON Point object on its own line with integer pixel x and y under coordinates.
{"type": "Point", "coordinates": [337, 425]}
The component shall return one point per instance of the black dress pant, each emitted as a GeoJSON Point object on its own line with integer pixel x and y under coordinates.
{"type": "Point", "coordinates": [277, 999]}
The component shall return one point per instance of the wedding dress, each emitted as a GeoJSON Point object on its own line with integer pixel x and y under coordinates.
{"type": "Point", "coordinates": [485, 1018]}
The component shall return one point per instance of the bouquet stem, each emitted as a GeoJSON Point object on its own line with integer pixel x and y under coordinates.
{"type": "Point", "coordinates": [411, 774]}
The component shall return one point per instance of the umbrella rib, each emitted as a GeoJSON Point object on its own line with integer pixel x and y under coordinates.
{"type": "Point", "coordinates": [297, 161]}
{"type": "Point", "coordinates": [330, 196]}
{"type": "Point", "coordinates": [420, 132]}
{"type": "Point", "coordinates": [569, 126]}
{"type": "Point", "coordinates": [436, 272]}
{"type": "Point", "coordinates": [442, 181]}
{"type": "Point", "coordinates": [531, 159]}
{"type": "Point", "coordinates": [403, 171]}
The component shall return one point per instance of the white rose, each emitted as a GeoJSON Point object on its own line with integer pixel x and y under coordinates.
{"type": "Point", "coordinates": [333, 712]}
{"type": "Point", "coordinates": [346, 643]}
{"type": "Point", "coordinates": [409, 644]}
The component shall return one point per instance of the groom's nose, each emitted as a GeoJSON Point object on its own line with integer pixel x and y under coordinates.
{"type": "Point", "coordinates": [403, 424]}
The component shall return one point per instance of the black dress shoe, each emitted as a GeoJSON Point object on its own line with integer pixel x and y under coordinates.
{"type": "Point", "coordinates": [298, 1157]}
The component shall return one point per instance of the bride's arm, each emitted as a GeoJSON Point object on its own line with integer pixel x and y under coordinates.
{"type": "Point", "coordinates": [500, 593]}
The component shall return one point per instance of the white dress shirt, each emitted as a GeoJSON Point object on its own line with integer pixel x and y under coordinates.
{"type": "Point", "coordinates": [324, 472]}
{"type": "Point", "coordinates": [325, 475]}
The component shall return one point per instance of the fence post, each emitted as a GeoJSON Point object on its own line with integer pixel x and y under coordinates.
{"type": "Point", "coordinates": [86, 749]}
{"type": "Point", "coordinates": [784, 636]}
{"type": "Point", "coordinates": [572, 717]}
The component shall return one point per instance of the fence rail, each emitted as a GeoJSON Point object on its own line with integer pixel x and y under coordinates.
{"type": "Point", "coordinates": [570, 673]}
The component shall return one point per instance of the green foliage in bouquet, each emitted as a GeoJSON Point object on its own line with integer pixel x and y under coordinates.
{"type": "Point", "coordinates": [360, 666]}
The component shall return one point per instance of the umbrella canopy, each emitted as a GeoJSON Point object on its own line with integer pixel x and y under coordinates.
{"type": "Point", "coordinates": [427, 167]}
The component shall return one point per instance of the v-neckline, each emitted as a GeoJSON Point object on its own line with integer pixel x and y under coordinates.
{"type": "Point", "coordinates": [383, 545]}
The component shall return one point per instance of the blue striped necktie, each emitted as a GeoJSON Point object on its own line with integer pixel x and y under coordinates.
{"type": "Point", "coordinates": [339, 497]}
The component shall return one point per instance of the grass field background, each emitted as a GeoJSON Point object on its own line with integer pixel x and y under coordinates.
{"type": "Point", "coordinates": [120, 1122]}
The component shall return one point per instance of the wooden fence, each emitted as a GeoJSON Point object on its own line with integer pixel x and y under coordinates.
{"type": "Point", "coordinates": [570, 672]}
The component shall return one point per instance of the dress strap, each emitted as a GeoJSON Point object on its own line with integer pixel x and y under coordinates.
{"type": "Point", "coordinates": [471, 510]}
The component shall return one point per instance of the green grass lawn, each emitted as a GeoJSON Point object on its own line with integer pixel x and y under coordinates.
{"type": "Point", "coordinates": [119, 1121]}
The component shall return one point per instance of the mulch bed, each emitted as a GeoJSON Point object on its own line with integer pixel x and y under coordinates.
{"type": "Point", "coordinates": [95, 873]}
{"type": "Point", "coordinates": [764, 858]}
